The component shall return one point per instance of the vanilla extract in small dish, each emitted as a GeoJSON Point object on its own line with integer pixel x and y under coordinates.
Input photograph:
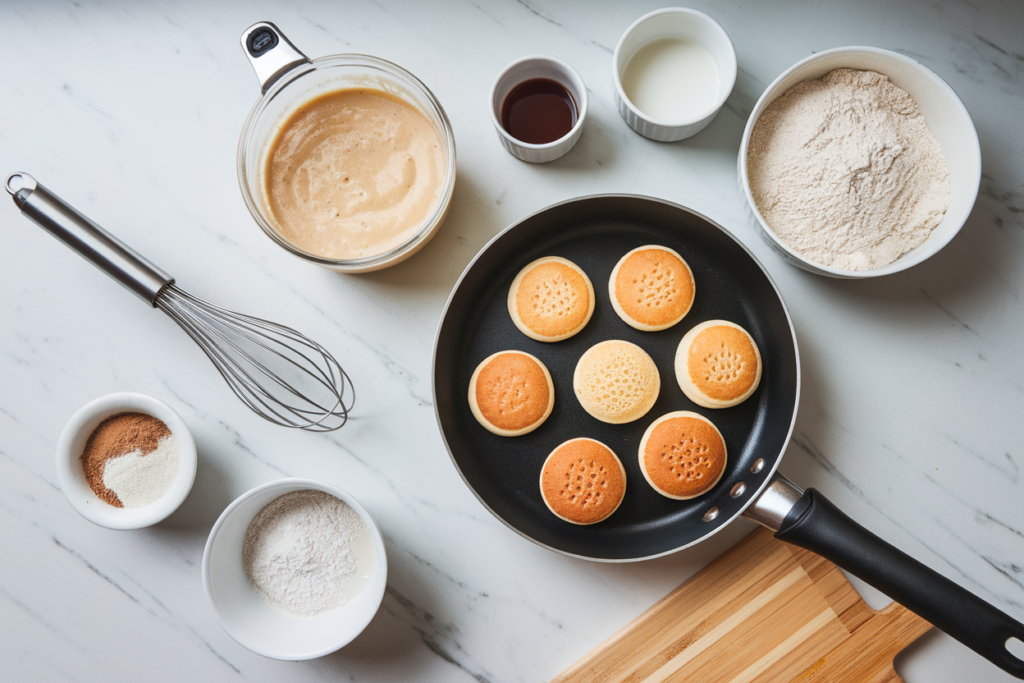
{"type": "Point", "coordinates": [539, 111]}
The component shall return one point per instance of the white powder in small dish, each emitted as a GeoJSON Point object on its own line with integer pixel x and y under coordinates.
{"type": "Point", "coordinates": [298, 552]}
{"type": "Point", "coordinates": [138, 480]}
{"type": "Point", "coordinates": [845, 171]}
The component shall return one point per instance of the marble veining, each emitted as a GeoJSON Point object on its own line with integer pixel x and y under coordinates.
{"type": "Point", "coordinates": [913, 390]}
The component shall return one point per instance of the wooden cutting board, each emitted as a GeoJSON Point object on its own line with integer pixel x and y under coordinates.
{"type": "Point", "coordinates": [764, 611]}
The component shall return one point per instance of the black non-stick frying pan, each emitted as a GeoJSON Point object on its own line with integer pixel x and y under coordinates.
{"type": "Point", "coordinates": [595, 232]}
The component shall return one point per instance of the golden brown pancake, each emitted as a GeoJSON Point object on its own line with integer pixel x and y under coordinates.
{"type": "Point", "coordinates": [616, 381]}
{"type": "Point", "coordinates": [682, 455]}
{"type": "Point", "coordinates": [582, 481]}
{"type": "Point", "coordinates": [651, 288]}
{"type": "Point", "coordinates": [718, 364]}
{"type": "Point", "coordinates": [511, 393]}
{"type": "Point", "coordinates": [551, 299]}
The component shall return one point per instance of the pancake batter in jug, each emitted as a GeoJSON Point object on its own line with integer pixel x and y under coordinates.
{"type": "Point", "coordinates": [353, 174]}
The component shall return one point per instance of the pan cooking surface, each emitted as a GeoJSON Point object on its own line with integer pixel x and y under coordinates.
{"type": "Point", "coordinates": [594, 233]}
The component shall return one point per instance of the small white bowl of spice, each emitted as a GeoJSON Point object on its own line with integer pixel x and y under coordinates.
{"type": "Point", "coordinates": [859, 162]}
{"type": "Point", "coordinates": [295, 569]}
{"type": "Point", "coordinates": [126, 461]}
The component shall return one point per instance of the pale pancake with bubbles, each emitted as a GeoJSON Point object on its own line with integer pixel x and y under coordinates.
{"type": "Point", "coordinates": [551, 299]}
{"type": "Point", "coordinates": [616, 381]}
{"type": "Point", "coordinates": [718, 364]}
{"type": "Point", "coordinates": [651, 288]}
{"type": "Point", "coordinates": [582, 481]}
{"type": "Point", "coordinates": [682, 455]}
{"type": "Point", "coordinates": [511, 393]}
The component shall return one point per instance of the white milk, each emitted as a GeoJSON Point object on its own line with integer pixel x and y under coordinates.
{"type": "Point", "coordinates": [671, 79]}
{"type": "Point", "coordinates": [362, 549]}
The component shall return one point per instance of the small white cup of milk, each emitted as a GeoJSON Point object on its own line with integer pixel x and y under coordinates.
{"type": "Point", "coordinates": [673, 70]}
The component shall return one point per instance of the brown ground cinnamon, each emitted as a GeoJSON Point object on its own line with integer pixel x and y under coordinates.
{"type": "Point", "coordinates": [114, 437]}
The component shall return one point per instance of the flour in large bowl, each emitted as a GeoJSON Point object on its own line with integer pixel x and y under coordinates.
{"type": "Point", "coordinates": [846, 172]}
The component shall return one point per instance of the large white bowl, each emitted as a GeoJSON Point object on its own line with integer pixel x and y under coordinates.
{"type": "Point", "coordinates": [946, 116]}
{"type": "Point", "coordinates": [76, 487]}
{"type": "Point", "coordinates": [250, 619]}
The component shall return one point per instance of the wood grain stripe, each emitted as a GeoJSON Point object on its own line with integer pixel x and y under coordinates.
{"type": "Point", "coordinates": [712, 636]}
{"type": "Point", "coordinates": [765, 612]}
{"type": "Point", "coordinates": [785, 647]}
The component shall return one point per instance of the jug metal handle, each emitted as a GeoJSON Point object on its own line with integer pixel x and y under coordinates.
{"type": "Point", "coordinates": [271, 54]}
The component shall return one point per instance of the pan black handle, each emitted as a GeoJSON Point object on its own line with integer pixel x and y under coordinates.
{"type": "Point", "coordinates": [815, 524]}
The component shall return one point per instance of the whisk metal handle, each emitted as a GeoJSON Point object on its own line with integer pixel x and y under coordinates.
{"type": "Point", "coordinates": [103, 250]}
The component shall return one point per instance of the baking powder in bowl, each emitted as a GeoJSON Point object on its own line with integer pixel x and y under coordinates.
{"type": "Point", "coordinates": [845, 171]}
{"type": "Point", "coordinates": [307, 553]}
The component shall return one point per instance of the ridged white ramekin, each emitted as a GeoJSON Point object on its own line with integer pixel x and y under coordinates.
{"type": "Point", "coordinates": [674, 22]}
{"type": "Point", "coordinates": [524, 69]}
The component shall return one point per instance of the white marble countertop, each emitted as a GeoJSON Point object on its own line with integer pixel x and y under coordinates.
{"type": "Point", "coordinates": [913, 396]}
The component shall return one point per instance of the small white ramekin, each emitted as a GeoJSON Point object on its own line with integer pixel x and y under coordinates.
{"type": "Point", "coordinates": [674, 22]}
{"type": "Point", "coordinates": [947, 119]}
{"type": "Point", "coordinates": [524, 69]}
{"type": "Point", "coordinates": [71, 475]}
{"type": "Point", "coordinates": [250, 619]}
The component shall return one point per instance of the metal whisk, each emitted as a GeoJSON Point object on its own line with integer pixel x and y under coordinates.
{"type": "Point", "coordinates": [282, 375]}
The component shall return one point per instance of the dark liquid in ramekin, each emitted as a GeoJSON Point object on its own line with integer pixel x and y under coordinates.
{"type": "Point", "coordinates": [538, 111]}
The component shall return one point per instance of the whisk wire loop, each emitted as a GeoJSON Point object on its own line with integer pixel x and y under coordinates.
{"type": "Point", "coordinates": [255, 355]}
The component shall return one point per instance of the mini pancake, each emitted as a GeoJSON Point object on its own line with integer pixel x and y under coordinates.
{"type": "Point", "coordinates": [651, 288]}
{"type": "Point", "coordinates": [582, 481]}
{"type": "Point", "coordinates": [511, 393]}
{"type": "Point", "coordinates": [718, 364]}
{"type": "Point", "coordinates": [682, 455]}
{"type": "Point", "coordinates": [616, 381]}
{"type": "Point", "coordinates": [551, 299]}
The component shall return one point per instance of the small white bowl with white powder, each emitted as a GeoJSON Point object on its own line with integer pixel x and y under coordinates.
{"type": "Point", "coordinates": [295, 569]}
{"type": "Point", "coordinates": [843, 179]}
{"type": "Point", "coordinates": [140, 486]}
